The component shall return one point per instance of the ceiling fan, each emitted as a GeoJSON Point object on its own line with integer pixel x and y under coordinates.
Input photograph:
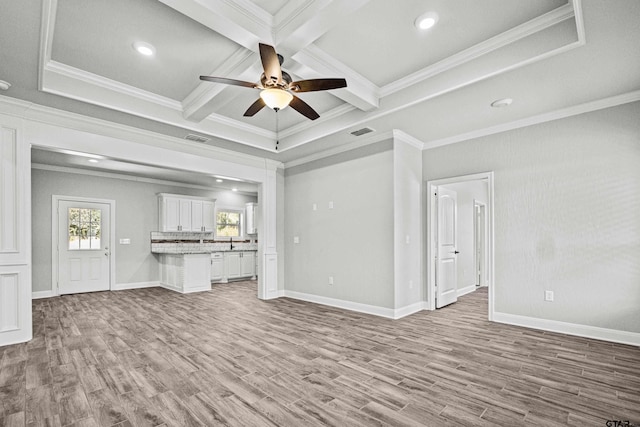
{"type": "Point", "coordinates": [277, 87]}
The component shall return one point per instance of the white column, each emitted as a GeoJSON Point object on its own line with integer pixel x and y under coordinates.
{"type": "Point", "coordinates": [268, 274]}
{"type": "Point", "coordinates": [15, 233]}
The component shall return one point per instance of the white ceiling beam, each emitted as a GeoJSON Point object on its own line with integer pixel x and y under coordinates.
{"type": "Point", "coordinates": [359, 92]}
{"type": "Point", "coordinates": [240, 21]}
{"type": "Point", "coordinates": [243, 65]}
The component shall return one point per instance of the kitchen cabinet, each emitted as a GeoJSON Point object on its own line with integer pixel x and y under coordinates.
{"type": "Point", "coordinates": [240, 264]}
{"type": "Point", "coordinates": [217, 266]}
{"type": "Point", "coordinates": [185, 273]}
{"type": "Point", "coordinates": [250, 218]}
{"type": "Point", "coordinates": [183, 213]}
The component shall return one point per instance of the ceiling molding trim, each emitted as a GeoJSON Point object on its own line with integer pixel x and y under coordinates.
{"type": "Point", "coordinates": [47, 25]}
{"type": "Point", "coordinates": [65, 119]}
{"type": "Point", "coordinates": [244, 24]}
{"type": "Point", "coordinates": [360, 92]}
{"type": "Point", "coordinates": [401, 136]}
{"type": "Point", "coordinates": [529, 28]}
{"type": "Point", "coordinates": [194, 104]}
{"type": "Point", "coordinates": [295, 10]}
{"type": "Point", "coordinates": [360, 142]}
{"type": "Point", "coordinates": [112, 85]}
{"type": "Point", "coordinates": [577, 8]}
{"type": "Point", "coordinates": [326, 116]}
{"type": "Point", "coordinates": [562, 113]}
{"type": "Point", "coordinates": [77, 84]}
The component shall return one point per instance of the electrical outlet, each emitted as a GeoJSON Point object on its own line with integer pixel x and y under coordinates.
{"type": "Point", "coordinates": [408, 239]}
{"type": "Point", "coordinates": [548, 296]}
{"type": "Point", "coordinates": [315, 207]}
{"type": "Point", "coordinates": [331, 280]}
{"type": "Point", "coordinates": [410, 284]}
{"type": "Point", "coordinates": [296, 239]}
{"type": "Point", "coordinates": [125, 241]}
{"type": "Point", "coordinates": [330, 205]}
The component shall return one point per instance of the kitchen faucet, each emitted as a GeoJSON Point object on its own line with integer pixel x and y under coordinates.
{"type": "Point", "coordinates": [231, 243]}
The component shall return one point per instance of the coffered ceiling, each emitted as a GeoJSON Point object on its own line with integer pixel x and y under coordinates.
{"type": "Point", "coordinates": [435, 85]}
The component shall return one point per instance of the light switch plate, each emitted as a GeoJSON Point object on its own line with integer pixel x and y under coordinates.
{"type": "Point", "coordinates": [296, 239]}
{"type": "Point", "coordinates": [548, 296]}
{"type": "Point", "coordinates": [125, 241]}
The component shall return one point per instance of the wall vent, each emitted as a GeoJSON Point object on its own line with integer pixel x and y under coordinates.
{"type": "Point", "coordinates": [362, 131]}
{"type": "Point", "coordinates": [196, 138]}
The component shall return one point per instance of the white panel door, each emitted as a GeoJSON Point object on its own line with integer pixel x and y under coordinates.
{"type": "Point", "coordinates": [83, 247]}
{"type": "Point", "coordinates": [446, 267]}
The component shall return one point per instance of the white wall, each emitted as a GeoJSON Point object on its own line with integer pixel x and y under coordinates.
{"type": "Point", "coordinates": [353, 242]}
{"type": "Point", "coordinates": [567, 197]}
{"type": "Point", "coordinates": [136, 218]}
{"type": "Point", "coordinates": [467, 192]}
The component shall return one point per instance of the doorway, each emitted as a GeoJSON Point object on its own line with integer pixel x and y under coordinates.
{"type": "Point", "coordinates": [82, 244]}
{"type": "Point", "coordinates": [459, 238]}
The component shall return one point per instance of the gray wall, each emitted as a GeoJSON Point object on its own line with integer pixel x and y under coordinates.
{"type": "Point", "coordinates": [567, 197]}
{"type": "Point", "coordinates": [136, 217]}
{"type": "Point", "coordinates": [353, 242]}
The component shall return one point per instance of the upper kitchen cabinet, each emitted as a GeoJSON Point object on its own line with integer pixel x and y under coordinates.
{"type": "Point", "coordinates": [185, 213]}
{"type": "Point", "coordinates": [250, 218]}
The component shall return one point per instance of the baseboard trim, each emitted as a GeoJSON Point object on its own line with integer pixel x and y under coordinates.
{"type": "Point", "coordinates": [134, 285]}
{"type": "Point", "coordinates": [338, 303]}
{"type": "Point", "coordinates": [466, 290]}
{"type": "Point", "coordinates": [585, 331]}
{"type": "Point", "coordinates": [42, 294]}
{"type": "Point", "coordinates": [374, 310]}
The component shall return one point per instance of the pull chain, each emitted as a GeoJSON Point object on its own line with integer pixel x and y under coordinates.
{"type": "Point", "coordinates": [277, 131]}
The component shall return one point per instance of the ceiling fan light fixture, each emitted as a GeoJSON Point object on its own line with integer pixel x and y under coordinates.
{"type": "Point", "coordinates": [426, 20]}
{"type": "Point", "coordinates": [276, 98]}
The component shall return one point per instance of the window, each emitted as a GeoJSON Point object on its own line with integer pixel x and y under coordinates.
{"type": "Point", "coordinates": [228, 223]}
{"type": "Point", "coordinates": [84, 229]}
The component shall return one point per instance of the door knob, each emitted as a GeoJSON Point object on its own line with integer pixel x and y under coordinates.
{"type": "Point", "coordinates": [456, 252]}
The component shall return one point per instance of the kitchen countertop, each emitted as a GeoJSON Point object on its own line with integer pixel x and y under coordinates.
{"type": "Point", "coordinates": [200, 248]}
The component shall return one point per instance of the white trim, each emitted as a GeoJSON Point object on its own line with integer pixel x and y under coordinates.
{"type": "Point", "coordinates": [586, 331]}
{"type": "Point", "coordinates": [338, 303]}
{"type": "Point", "coordinates": [409, 309]}
{"type": "Point", "coordinates": [466, 290]}
{"type": "Point", "coordinates": [374, 310]}
{"type": "Point", "coordinates": [55, 200]}
{"type": "Point", "coordinates": [562, 113]}
{"type": "Point", "coordinates": [42, 294]}
{"type": "Point", "coordinates": [408, 139]}
{"type": "Point", "coordinates": [506, 38]}
{"type": "Point", "coordinates": [134, 285]}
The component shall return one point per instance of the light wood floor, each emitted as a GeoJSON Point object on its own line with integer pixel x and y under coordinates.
{"type": "Point", "coordinates": [154, 357]}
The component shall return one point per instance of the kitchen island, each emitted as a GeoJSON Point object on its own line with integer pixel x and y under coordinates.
{"type": "Point", "coordinates": [189, 262]}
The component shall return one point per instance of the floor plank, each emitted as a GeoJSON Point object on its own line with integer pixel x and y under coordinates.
{"type": "Point", "coordinates": [152, 357]}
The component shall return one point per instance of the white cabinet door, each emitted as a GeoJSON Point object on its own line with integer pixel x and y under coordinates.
{"type": "Point", "coordinates": [208, 216]}
{"type": "Point", "coordinates": [185, 214]}
{"type": "Point", "coordinates": [233, 265]}
{"type": "Point", "coordinates": [248, 264]}
{"type": "Point", "coordinates": [196, 215]}
{"type": "Point", "coordinates": [217, 266]}
{"type": "Point", "coordinates": [170, 217]}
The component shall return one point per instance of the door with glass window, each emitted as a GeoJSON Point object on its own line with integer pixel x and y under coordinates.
{"type": "Point", "coordinates": [83, 246]}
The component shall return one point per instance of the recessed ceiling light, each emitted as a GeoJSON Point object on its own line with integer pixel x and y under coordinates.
{"type": "Point", "coordinates": [426, 20]}
{"type": "Point", "coordinates": [234, 189]}
{"type": "Point", "coordinates": [92, 161]}
{"type": "Point", "coordinates": [219, 180]}
{"type": "Point", "coordinates": [4, 85]}
{"type": "Point", "coordinates": [145, 49]}
{"type": "Point", "coordinates": [504, 102]}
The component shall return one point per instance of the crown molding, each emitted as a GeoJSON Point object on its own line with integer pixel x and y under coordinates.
{"type": "Point", "coordinates": [47, 26]}
{"type": "Point", "coordinates": [529, 28]}
{"type": "Point", "coordinates": [402, 136]}
{"type": "Point", "coordinates": [562, 113]}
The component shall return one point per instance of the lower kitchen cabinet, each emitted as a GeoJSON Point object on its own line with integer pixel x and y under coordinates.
{"type": "Point", "coordinates": [217, 266]}
{"type": "Point", "coordinates": [240, 264]}
{"type": "Point", "coordinates": [185, 273]}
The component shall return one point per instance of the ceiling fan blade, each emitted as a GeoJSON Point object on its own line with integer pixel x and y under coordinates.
{"type": "Point", "coordinates": [254, 108]}
{"type": "Point", "coordinates": [317, 84]}
{"type": "Point", "coordinates": [303, 108]}
{"type": "Point", "coordinates": [270, 62]}
{"type": "Point", "coordinates": [226, 81]}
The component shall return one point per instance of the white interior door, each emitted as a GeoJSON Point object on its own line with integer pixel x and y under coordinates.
{"type": "Point", "coordinates": [446, 262]}
{"type": "Point", "coordinates": [83, 246]}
